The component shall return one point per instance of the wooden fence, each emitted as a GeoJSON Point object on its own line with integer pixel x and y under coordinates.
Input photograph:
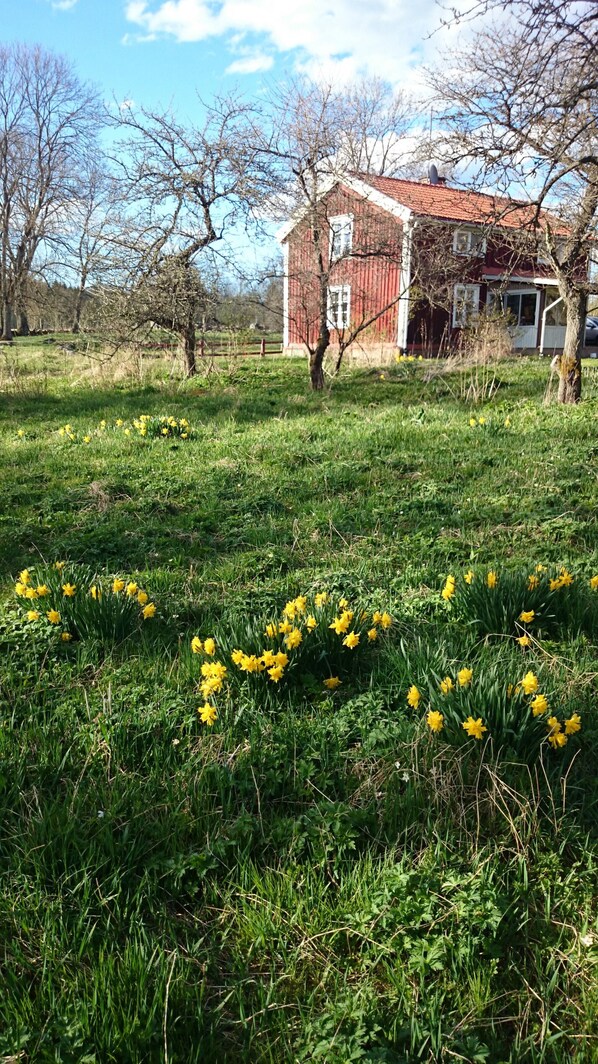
{"type": "Point", "coordinates": [242, 349]}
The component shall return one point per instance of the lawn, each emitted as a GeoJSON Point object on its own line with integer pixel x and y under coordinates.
{"type": "Point", "coordinates": [329, 871]}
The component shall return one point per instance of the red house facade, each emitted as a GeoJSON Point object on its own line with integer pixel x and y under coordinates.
{"type": "Point", "coordinates": [406, 265]}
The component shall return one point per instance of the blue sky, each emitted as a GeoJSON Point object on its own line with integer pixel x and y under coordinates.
{"type": "Point", "coordinates": [166, 51]}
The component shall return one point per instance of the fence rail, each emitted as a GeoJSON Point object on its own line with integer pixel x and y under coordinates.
{"type": "Point", "coordinates": [248, 349]}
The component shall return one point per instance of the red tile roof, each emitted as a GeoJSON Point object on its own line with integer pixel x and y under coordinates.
{"type": "Point", "coordinates": [456, 204]}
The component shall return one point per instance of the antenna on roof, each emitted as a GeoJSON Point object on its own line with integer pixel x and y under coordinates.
{"type": "Point", "coordinates": [432, 174]}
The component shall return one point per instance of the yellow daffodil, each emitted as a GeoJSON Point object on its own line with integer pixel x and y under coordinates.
{"type": "Point", "coordinates": [532, 582]}
{"type": "Point", "coordinates": [290, 610]}
{"type": "Point", "coordinates": [557, 739]}
{"type": "Point", "coordinates": [447, 685]}
{"type": "Point", "coordinates": [42, 590]}
{"type": "Point", "coordinates": [25, 576]}
{"type": "Point", "coordinates": [481, 421]}
{"type": "Point", "coordinates": [53, 616]}
{"type": "Point", "coordinates": [524, 640]}
{"type": "Point", "coordinates": [131, 589]}
{"type": "Point", "coordinates": [276, 673]}
{"type": "Point", "coordinates": [20, 433]}
{"type": "Point", "coordinates": [539, 705]}
{"type": "Point", "coordinates": [301, 603]}
{"type": "Point", "coordinates": [20, 588]}
{"type": "Point", "coordinates": [30, 593]}
{"type": "Point", "coordinates": [311, 623]}
{"type": "Point", "coordinates": [282, 659]}
{"type": "Point", "coordinates": [32, 615]}
{"type": "Point", "coordinates": [332, 683]}
{"type": "Point", "coordinates": [413, 696]}
{"type": "Point", "coordinates": [472, 422]}
{"type": "Point", "coordinates": [268, 659]}
{"type": "Point", "coordinates": [69, 590]}
{"type": "Point", "coordinates": [351, 640]}
{"type": "Point", "coordinates": [449, 588]}
{"type": "Point", "coordinates": [465, 676]}
{"type": "Point", "coordinates": [66, 637]}
{"type": "Point", "coordinates": [372, 634]}
{"type": "Point", "coordinates": [507, 423]}
{"type": "Point", "coordinates": [207, 714]}
{"type": "Point", "coordinates": [491, 579]}
{"type": "Point", "coordinates": [142, 597]}
{"type": "Point", "coordinates": [285, 627]}
{"type": "Point", "coordinates": [435, 721]}
{"type": "Point", "coordinates": [594, 583]}
{"type": "Point", "coordinates": [196, 645]}
{"type": "Point", "coordinates": [573, 724]}
{"type": "Point", "coordinates": [293, 639]}
{"type": "Point", "coordinates": [271, 631]}
{"type": "Point", "coordinates": [469, 576]}
{"type": "Point", "coordinates": [117, 585]}
{"type": "Point", "coordinates": [474, 728]}
{"type": "Point", "coordinates": [343, 603]}
{"type": "Point", "coordinates": [529, 683]}
{"type": "Point", "coordinates": [527, 616]}
{"type": "Point", "coordinates": [340, 624]}
{"type": "Point", "coordinates": [149, 611]}
{"type": "Point", "coordinates": [377, 617]}
{"type": "Point", "coordinates": [386, 620]}
{"type": "Point", "coordinates": [209, 647]}
{"type": "Point", "coordinates": [321, 599]}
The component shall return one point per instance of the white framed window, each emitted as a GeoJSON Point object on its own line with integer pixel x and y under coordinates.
{"type": "Point", "coordinates": [339, 306]}
{"type": "Point", "coordinates": [522, 308]}
{"type": "Point", "coordinates": [469, 242]}
{"type": "Point", "coordinates": [341, 235]}
{"type": "Point", "coordinates": [466, 304]}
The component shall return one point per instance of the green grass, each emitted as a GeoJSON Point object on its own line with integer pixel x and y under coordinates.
{"type": "Point", "coordinates": [317, 877]}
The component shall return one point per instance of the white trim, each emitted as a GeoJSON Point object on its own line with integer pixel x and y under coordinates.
{"type": "Point", "coordinates": [340, 288]}
{"type": "Point", "coordinates": [361, 188]}
{"type": "Point", "coordinates": [405, 285]}
{"type": "Point", "coordinates": [379, 199]}
{"type": "Point", "coordinates": [285, 295]}
{"type": "Point", "coordinates": [513, 278]}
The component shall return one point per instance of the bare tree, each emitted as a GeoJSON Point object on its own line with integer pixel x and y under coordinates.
{"type": "Point", "coordinates": [320, 133]}
{"type": "Point", "coordinates": [49, 120]}
{"type": "Point", "coordinates": [532, 118]}
{"type": "Point", "coordinates": [186, 188]}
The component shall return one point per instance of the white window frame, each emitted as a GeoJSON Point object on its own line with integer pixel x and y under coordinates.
{"type": "Point", "coordinates": [523, 292]}
{"type": "Point", "coordinates": [341, 235]}
{"type": "Point", "coordinates": [475, 243]}
{"type": "Point", "coordinates": [461, 292]}
{"type": "Point", "coordinates": [339, 320]}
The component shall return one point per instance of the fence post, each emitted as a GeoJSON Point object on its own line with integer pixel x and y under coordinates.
{"type": "Point", "coordinates": [263, 347]}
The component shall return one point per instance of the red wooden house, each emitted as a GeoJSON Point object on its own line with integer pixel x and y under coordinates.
{"type": "Point", "coordinates": [408, 264]}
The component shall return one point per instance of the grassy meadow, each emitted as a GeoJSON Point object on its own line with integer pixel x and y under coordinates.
{"type": "Point", "coordinates": [211, 853]}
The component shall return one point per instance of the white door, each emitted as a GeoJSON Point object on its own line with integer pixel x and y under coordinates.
{"type": "Point", "coordinates": [523, 308]}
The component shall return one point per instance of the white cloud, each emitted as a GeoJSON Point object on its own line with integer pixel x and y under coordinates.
{"type": "Point", "coordinates": [339, 37]}
{"type": "Point", "coordinates": [63, 5]}
{"type": "Point", "coordinates": [250, 64]}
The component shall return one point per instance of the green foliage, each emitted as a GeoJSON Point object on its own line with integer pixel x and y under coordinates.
{"type": "Point", "coordinates": [317, 876]}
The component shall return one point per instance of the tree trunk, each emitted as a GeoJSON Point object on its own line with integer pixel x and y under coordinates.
{"type": "Point", "coordinates": [23, 323]}
{"type": "Point", "coordinates": [79, 304]}
{"type": "Point", "coordinates": [189, 348]}
{"type": "Point", "coordinates": [569, 363]}
{"type": "Point", "coordinates": [316, 360]}
{"type": "Point", "coordinates": [7, 320]}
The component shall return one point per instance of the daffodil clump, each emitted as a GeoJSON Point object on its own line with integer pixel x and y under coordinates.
{"type": "Point", "coordinates": [487, 423]}
{"type": "Point", "coordinates": [146, 425]}
{"type": "Point", "coordinates": [402, 359]}
{"type": "Point", "coordinates": [72, 602]}
{"type": "Point", "coordinates": [525, 604]}
{"type": "Point", "coordinates": [480, 705]}
{"type": "Point", "coordinates": [317, 641]}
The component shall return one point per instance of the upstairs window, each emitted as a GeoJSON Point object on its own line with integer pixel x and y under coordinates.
{"type": "Point", "coordinates": [469, 242]}
{"type": "Point", "coordinates": [341, 236]}
{"type": "Point", "coordinates": [339, 306]}
{"type": "Point", "coordinates": [466, 304]}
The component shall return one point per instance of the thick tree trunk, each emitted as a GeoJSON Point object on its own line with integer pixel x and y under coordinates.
{"type": "Point", "coordinates": [23, 323]}
{"type": "Point", "coordinates": [316, 360]}
{"type": "Point", "coordinates": [569, 363]}
{"type": "Point", "coordinates": [189, 348]}
{"type": "Point", "coordinates": [7, 320]}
